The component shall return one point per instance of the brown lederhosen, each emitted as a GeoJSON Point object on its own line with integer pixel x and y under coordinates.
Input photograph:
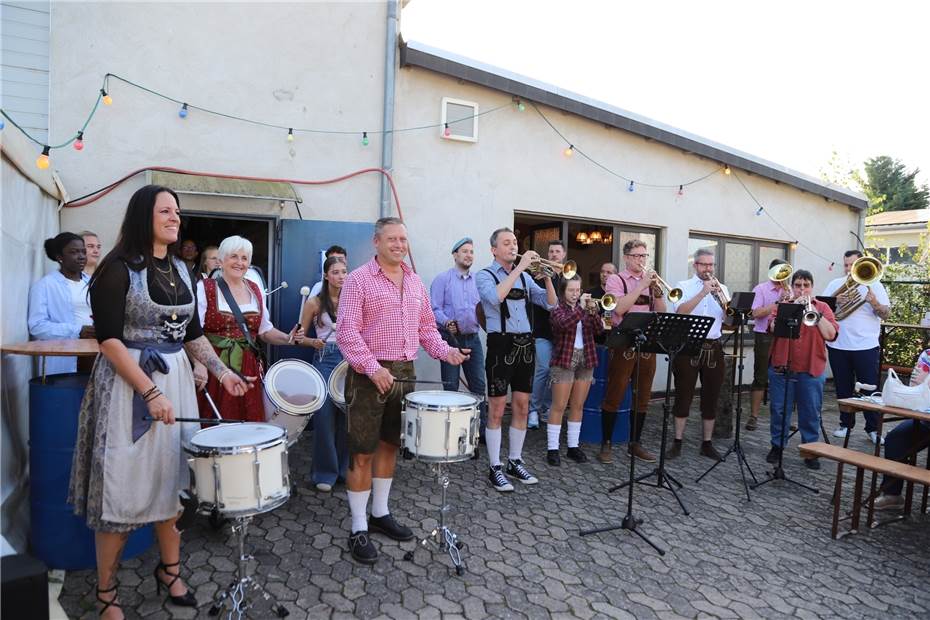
{"type": "Point", "coordinates": [709, 365]}
{"type": "Point", "coordinates": [372, 417]}
{"type": "Point", "coordinates": [620, 373]}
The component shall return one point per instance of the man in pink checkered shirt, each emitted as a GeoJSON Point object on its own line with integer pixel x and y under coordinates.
{"type": "Point", "coordinates": [384, 317]}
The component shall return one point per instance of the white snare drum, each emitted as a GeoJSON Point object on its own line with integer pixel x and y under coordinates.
{"type": "Point", "coordinates": [294, 390]}
{"type": "Point", "coordinates": [239, 469]}
{"type": "Point", "coordinates": [337, 384]}
{"type": "Point", "coordinates": [439, 426]}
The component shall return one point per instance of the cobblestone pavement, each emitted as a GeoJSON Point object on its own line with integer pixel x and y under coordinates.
{"type": "Point", "coordinates": [771, 557]}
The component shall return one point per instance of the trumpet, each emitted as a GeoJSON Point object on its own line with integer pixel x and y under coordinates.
{"type": "Point", "coordinates": [811, 315]}
{"type": "Point", "coordinates": [866, 270]}
{"type": "Point", "coordinates": [674, 294]}
{"type": "Point", "coordinates": [549, 268]}
{"type": "Point", "coordinates": [607, 303]}
{"type": "Point", "coordinates": [720, 296]}
{"type": "Point", "coordinates": [780, 274]}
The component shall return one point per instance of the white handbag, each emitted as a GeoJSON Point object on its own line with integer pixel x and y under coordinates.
{"type": "Point", "coordinates": [896, 394]}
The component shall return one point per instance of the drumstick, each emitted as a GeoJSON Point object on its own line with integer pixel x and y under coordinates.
{"type": "Point", "coordinates": [304, 293]}
{"type": "Point", "coordinates": [216, 411]}
{"type": "Point", "coordinates": [149, 418]}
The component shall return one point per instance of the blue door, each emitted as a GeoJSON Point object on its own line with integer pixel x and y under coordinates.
{"type": "Point", "coordinates": [300, 246]}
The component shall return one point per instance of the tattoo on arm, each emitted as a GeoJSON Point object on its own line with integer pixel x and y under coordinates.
{"type": "Point", "coordinates": [201, 350]}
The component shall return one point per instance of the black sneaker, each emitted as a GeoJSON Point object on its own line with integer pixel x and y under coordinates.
{"type": "Point", "coordinates": [577, 455]}
{"type": "Point", "coordinates": [518, 471]}
{"type": "Point", "coordinates": [498, 480]}
{"type": "Point", "coordinates": [552, 457]}
{"type": "Point", "coordinates": [772, 456]}
{"type": "Point", "coordinates": [389, 526]}
{"type": "Point", "coordinates": [675, 451]}
{"type": "Point", "coordinates": [362, 549]}
{"type": "Point", "coordinates": [708, 450]}
{"type": "Point", "coordinates": [812, 463]}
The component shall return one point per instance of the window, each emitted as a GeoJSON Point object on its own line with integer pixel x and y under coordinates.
{"type": "Point", "coordinates": [741, 263]}
{"type": "Point", "coordinates": [461, 119]}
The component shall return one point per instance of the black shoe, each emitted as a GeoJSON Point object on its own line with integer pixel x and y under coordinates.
{"type": "Point", "coordinates": [519, 471]}
{"type": "Point", "coordinates": [552, 457]}
{"type": "Point", "coordinates": [812, 463]}
{"type": "Point", "coordinates": [772, 456]}
{"type": "Point", "coordinates": [675, 451]}
{"type": "Point", "coordinates": [498, 480]}
{"type": "Point", "coordinates": [577, 455]}
{"type": "Point", "coordinates": [185, 600]}
{"type": "Point", "coordinates": [362, 549]}
{"type": "Point", "coordinates": [708, 450]}
{"type": "Point", "coordinates": [389, 526]}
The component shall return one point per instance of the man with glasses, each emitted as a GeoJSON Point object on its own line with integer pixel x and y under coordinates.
{"type": "Point", "coordinates": [607, 270]}
{"type": "Point", "coordinates": [766, 297]}
{"type": "Point", "coordinates": [635, 292]}
{"type": "Point", "coordinates": [702, 295]}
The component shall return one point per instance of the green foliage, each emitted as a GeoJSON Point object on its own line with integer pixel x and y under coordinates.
{"type": "Point", "coordinates": [909, 302]}
{"type": "Point", "coordinates": [890, 187]}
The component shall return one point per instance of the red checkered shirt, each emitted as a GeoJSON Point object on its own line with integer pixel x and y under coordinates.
{"type": "Point", "coordinates": [564, 320]}
{"type": "Point", "coordinates": [379, 322]}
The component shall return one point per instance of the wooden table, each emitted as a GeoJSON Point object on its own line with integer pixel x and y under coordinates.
{"type": "Point", "coordinates": [83, 347]}
{"type": "Point", "coordinates": [893, 414]}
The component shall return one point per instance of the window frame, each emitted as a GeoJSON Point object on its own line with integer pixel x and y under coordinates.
{"type": "Point", "coordinates": [721, 258]}
{"type": "Point", "coordinates": [444, 119]}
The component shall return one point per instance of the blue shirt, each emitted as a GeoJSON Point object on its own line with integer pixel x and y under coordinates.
{"type": "Point", "coordinates": [51, 317]}
{"type": "Point", "coordinates": [517, 322]}
{"type": "Point", "coordinates": [454, 296]}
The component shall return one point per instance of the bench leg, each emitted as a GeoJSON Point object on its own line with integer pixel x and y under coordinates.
{"type": "Point", "coordinates": [857, 499]}
{"type": "Point", "coordinates": [838, 485]}
{"type": "Point", "coordinates": [923, 503]}
{"type": "Point", "coordinates": [837, 496]}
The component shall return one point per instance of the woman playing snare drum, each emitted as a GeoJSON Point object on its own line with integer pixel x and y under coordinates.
{"type": "Point", "coordinates": [330, 451]}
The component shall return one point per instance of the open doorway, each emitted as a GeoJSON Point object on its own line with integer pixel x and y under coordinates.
{"type": "Point", "coordinates": [210, 229]}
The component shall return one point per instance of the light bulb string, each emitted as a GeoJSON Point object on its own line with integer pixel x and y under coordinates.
{"type": "Point", "coordinates": [63, 144]}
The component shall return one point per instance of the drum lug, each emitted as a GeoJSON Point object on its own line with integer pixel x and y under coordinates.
{"type": "Point", "coordinates": [217, 488]}
{"type": "Point", "coordinates": [256, 477]}
{"type": "Point", "coordinates": [285, 472]}
{"type": "Point", "coordinates": [193, 476]}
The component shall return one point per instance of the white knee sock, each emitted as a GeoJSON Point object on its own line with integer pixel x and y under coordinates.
{"type": "Point", "coordinates": [516, 443]}
{"type": "Point", "coordinates": [574, 432]}
{"type": "Point", "coordinates": [492, 440]}
{"type": "Point", "coordinates": [358, 503]}
{"type": "Point", "coordinates": [552, 435]}
{"type": "Point", "coordinates": [380, 489]}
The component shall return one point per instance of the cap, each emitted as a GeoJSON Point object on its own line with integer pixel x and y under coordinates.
{"type": "Point", "coordinates": [460, 243]}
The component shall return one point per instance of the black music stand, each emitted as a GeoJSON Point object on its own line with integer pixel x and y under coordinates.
{"type": "Point", "coordinates": [630, 333]}
{"type": "Point", "coordinates": [787, 325]}
{"type": "Point", "coordinates": [671, 334]}
{"type": "Point", "coordinates": [739, 310]}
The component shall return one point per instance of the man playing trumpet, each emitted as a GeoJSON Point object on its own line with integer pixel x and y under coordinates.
{"type": "Point", "coordinates": [702, 295]}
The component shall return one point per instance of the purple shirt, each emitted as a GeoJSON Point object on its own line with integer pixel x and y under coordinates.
{"type": "Point", "coordinates": [766, 293]}
{"type": "Point", "coordinates": [454, 296]}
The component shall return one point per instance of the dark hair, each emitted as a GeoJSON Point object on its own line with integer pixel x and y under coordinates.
{"type": "Point", "coordinates": [558, 242]}
{"type": "Point", "coordinates": [55, 246]}
{"type": "Point", "coordinates": [802, 274]}
{"type": "Point", "coordinates": [563, 284]}
{"type": "Point", "coordinates": [633, 243]}
{"type": "Point", "coordinates": [777, 261]}
{"type": "Point", "coordinates": [849, 253]}
{"type": "Point", "coordinates": [134, 244]}
{"type": "Point", "coordinates": [326, 304]}
{"type": "Point", "coordinates": [336, 249]}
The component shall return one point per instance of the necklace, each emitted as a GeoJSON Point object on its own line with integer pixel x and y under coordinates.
{"type": "Point", "coordinates": [168, 276]}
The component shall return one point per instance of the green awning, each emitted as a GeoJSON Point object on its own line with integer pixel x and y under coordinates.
{"type": "Point", "coordinates": [203, 185]}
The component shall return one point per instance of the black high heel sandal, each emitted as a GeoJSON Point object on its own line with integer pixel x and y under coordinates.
{"type": "Point", "coordinates": [108, 604]}
{"type": "Point", "coordinates": [185, 600]}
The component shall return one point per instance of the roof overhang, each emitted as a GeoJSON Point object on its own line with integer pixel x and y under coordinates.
{"type": "Point", "coordinates": [205, 185]}
{"type": "Point", "coordinates": [419, 55]}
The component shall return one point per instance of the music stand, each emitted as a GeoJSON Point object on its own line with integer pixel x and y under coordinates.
{"type": "Point", "coordinates": [739, 310]}
{"type": "Point", "coordinates": [671, 334]}
{"type": "Point", "coordinates": [630, 333]}
{"type": "Point", "coordinates": [787, 325]}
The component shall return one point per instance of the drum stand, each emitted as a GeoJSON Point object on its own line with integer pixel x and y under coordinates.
{"type": "Point", "coordinates": [238, 591]}
{"type": "Point", "coordinates": [445, 539]}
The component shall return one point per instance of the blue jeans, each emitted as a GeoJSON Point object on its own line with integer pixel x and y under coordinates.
{"type": "Point", "coordinates": [849, 367]}
{"type": "Point", "coordinates": [906, 436]}
{"type": "Point", "coordinates": [474, 371]}
{"type": "Point", "coordinates": [330, 449]}
{"type": "Point", "coordinates": [541, 399]}
{"type": "Point", "coordinates": [804, 389]}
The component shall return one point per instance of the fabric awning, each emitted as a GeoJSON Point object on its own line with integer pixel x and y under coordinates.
{"type": "Point", "coordinates": [204, 185]}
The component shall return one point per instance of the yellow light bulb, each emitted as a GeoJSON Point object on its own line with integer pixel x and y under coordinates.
{"type": "Point", "coordinates": [108, 100]}
{"type": "Point", "coordinates": [42, 161]}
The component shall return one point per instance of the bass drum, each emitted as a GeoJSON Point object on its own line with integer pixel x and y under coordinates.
{"type": "Point", "coordinates": [337, 384]}
{"type": "Point", "coordinates": [294, 390]}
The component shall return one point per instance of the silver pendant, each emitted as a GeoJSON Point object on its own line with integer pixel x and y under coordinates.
{"type": "Point", "coordinates": [174, 316]}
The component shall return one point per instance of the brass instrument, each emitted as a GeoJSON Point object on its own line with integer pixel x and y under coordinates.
{"type": "Point", "coordinates": [674, 294]}
{"type": "Point", "coordinates": [549, 268]}
{"type": "Point", "coordinates": [866, 270]}
{"type": "Point", "coordinates": [722, 299]}
{"type": "Point", "coordinates": [780, 274]}
{"type": "Point", "coordinates": [811, 315]}
{"type": "Point", "coordinates": [607, 303]}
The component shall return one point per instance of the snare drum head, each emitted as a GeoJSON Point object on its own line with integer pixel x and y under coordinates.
{"type": "Point", "coordinates": [236, 435]}
{"type": "Point", "coordinates": [439, 399]}
{"type": "Point", "coordinates": [295, 387]}
{"type": "Point", "coordinates": [337, 382]}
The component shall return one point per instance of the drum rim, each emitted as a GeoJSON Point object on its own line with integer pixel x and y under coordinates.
{"type": "Point", "coordinates": [276, 502]}
{"type": "Point", "coordinates": [283, 405]}
{"type": "Point", "coordinates": [330, 381]}
{"type": "Point", "coordinates": [431, 407]}
{"type": "Point", "coordinates": [196, 450]}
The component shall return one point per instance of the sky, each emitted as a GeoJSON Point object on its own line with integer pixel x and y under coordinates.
{"type": "Point", "coordinates": [787, 81]}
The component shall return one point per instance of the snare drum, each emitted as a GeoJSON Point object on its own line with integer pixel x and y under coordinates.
{"type": "Point", "coordinates": [239, 469]}
{"type": "Point", "coordinates": [337, 384]}
{"type": "Point", "coordinates": [439, 426]}
{"type": "Point", "coordinates": [294, 390]}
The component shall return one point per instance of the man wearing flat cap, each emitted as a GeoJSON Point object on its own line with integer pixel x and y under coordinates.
{"type": "Point", "coordinates": [454, 296]}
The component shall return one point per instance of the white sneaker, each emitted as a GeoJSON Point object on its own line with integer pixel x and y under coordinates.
{"type": "Point", "coordinates": [840, 431]}
{"type": "Point", "coordinates": [325, 488]}
{"type": "Point", "coordinates": [873, 435]}
{"type": "Point", "coordinates": [533, 420]}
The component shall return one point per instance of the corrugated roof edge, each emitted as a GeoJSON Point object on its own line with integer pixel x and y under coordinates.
{"type": "Point", "coordinates": [420, 55]}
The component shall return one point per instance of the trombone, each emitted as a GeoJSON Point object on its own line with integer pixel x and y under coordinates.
{"type": "Point", "coordinates": [549, 268]}
{"type": "Point", "coordinates": [866, 270]}
{"type": "Point", "coordinates": [674, 294]}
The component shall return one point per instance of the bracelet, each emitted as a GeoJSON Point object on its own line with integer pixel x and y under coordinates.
{"type": "Point", "coordinates": [149, 391]}
{"type": "Point", "coordinates": [223, 375]}
{"type": "Point", "coordinates": [153, 396]}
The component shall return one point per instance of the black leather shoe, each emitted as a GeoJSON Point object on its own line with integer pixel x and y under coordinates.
{"type": "Point", "coordinates": [389, 526]}
{"type": "Point", "coordinates": [552, 457]}
{"type": "Point", "coordinates": [362, 549]}
{"type": "Point", "coordinates": [708, 450]}
{"type": "Point", "coordinates": [812, 463]}
{"type": "Point", "coordinates": [576, 455]}
{"type": "Point", "coordinates": [675, 451]}
{"type": "Point", "coordinates": [772, 456]}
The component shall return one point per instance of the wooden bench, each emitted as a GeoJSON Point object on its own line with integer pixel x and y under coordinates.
{"type": "Point", "coordinates": [862, 462]}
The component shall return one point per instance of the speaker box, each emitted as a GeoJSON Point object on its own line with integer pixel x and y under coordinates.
{"type": "Point", "coordinates": [25, 587]}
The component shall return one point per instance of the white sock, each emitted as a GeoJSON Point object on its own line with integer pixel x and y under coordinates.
{"type": "Point", "coordinates": [516, 443]}
{"type": "Point", "coordinates": [492, 440]}
{"type": "Point", "coordinates": [574, 432]}
{"type": "Point", "coordinates": [380, 489]}
{"type": "Point", "coordinates": [358, 503]}
{"type": "Point", "coordinates": [552, 435]}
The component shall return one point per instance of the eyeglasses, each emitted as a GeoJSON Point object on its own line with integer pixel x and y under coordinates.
{"type": "Point", "coordinates": [638, 255]}
{"type": "Point", "coordinates": [705, 264]}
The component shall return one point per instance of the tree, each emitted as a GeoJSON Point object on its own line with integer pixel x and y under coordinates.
{"type": "Point", "coordinates": [890, 187]}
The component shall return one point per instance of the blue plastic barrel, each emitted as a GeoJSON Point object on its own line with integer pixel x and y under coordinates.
{"type": "Point", "coordinates": [591, 420]}
{"type": "Point", "coordinates": [58, 537]}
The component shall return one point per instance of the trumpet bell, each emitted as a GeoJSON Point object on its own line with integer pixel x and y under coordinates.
{"type": "Point", "coordinates": [569, 269]}
{"type": "Point", "coordinates": [866, 270]}
{"type": "Point", "coordinates": [675, 295]}
{"type": "Point", "coordinates": [608, 302]}
{"type": "Point", "coordinates": [780, 273]}
{"type": "Point", "coordinates": [811, 318]}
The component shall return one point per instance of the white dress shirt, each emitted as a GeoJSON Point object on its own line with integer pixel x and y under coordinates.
{"type": "Point", "coordinates": [706, 307]}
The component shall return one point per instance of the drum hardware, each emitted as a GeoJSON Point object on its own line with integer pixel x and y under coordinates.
{"type": "Point", "coordinates": [442, 536]}
{"type": "Point", "coordinates": [149, 418]}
